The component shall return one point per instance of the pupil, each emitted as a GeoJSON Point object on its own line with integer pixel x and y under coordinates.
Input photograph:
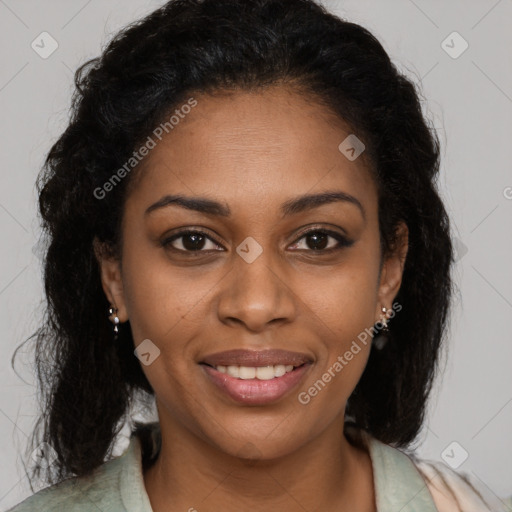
{"type": "Point", "coordinates": [196, 242]}
{"type": "Point", "coordinates": [322, 244]}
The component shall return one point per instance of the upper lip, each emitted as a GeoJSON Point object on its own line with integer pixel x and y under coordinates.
{"type": "Point", "coordinates": [256, 358]}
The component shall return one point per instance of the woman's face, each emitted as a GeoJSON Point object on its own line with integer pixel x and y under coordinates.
{"type": "Point", "coordinates": [254, 282]}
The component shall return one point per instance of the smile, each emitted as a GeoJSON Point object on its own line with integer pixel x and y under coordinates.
{"type": "Point", "coordinates": [255, 377]}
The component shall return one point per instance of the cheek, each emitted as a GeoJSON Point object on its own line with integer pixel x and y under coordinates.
{"type": "Point", "coordinates": [343, 354]}
{"type": "Point", "coordinates": [158, 297]}
{"type": "Point", "coordinates": [167, 305]}
{"type": "Point", "coordinates": [344, 299]}
{"type": "Point", "coordinates": [341, 309]}
{"type": "Point", "coordinates": [156, 309]}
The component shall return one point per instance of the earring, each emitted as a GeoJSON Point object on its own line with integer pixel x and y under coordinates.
{"type": "Point", "coordinates": [384, 320]}
{"type": "Point", "coordinates": [112, 314]}
{"type": "Point", "coordinates": [380, 340]}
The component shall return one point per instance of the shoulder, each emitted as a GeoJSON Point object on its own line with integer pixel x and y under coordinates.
{"type": "Point", "coordinates": [77, 494]}
{"type": "Point", "coordinates": [404, 481]}
{"type": "Point", "coordinates": [99, 491]}
{"type": "Point", "coordinates": [457, 491]}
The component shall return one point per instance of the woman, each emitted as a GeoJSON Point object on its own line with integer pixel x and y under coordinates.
{"type": "Point", "coordinates": [244, 200]}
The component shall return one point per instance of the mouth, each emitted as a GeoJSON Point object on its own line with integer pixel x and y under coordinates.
{"type": "Point", "coordinates": [256, 377]}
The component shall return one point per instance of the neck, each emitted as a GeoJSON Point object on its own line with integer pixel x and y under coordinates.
{"type": "Point", "coordinates": [191, 474]}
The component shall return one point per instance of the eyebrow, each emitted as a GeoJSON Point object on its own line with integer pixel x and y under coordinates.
{"type": "Point", "coordinates": [290, 207]}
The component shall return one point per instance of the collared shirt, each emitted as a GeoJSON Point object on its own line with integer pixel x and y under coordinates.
{"type": "Point", "coordinates": [402, 483]}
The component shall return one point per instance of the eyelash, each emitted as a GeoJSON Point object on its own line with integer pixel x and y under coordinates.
{"type": "Point", "coordinates": [343, 242]}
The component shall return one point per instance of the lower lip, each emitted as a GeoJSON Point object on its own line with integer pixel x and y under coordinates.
{"type": "Point", "coordinates": [256, 391]}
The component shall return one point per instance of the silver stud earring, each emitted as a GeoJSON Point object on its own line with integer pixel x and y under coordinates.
{"type": "Point", "coordinates": [112, 313]}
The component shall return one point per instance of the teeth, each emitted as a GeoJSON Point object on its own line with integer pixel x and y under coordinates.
{"type": "Point", "coordinates": [234, 371]}
{"type": "Point", "coordinates": [265, 372]}
{"type": "Point", "coordinates": [246, 372]}
{"type": "Point", "coordinates": [260, 372]}
{"type": "Point", "coordinates": [280, 370]}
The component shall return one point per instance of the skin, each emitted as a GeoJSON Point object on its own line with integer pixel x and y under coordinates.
{"type": "Point", "coordinates": [253, 151]}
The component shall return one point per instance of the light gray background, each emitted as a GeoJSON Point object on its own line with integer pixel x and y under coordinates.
{"type": "Point", "coordinates": [469, 100]}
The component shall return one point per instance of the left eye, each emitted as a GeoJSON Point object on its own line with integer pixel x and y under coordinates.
{"type": "Point", "coordinates": [319, 240]}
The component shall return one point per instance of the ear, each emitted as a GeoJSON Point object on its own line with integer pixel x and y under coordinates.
{"type": "Point", "coordinates": [392, 270]}
{"type": "Point", "coordinates": [111, 280]}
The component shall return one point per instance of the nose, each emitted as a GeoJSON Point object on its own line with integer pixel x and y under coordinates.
{"type": "Point", "coordinates": [256, 294]}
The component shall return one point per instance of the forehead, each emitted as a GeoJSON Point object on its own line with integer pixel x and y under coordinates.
{"type": "Point", "coordinates": [242, 147]}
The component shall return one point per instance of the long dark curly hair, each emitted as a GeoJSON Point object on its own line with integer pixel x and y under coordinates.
{"type": "Point", "coordinates": [87, 383]}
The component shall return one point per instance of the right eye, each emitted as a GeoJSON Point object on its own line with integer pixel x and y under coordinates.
{"type": "Point", "coordinates": [190, 241]}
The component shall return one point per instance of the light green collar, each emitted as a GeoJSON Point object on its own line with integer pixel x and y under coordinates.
{"type": "Point", "coordinates": [399, 487]}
